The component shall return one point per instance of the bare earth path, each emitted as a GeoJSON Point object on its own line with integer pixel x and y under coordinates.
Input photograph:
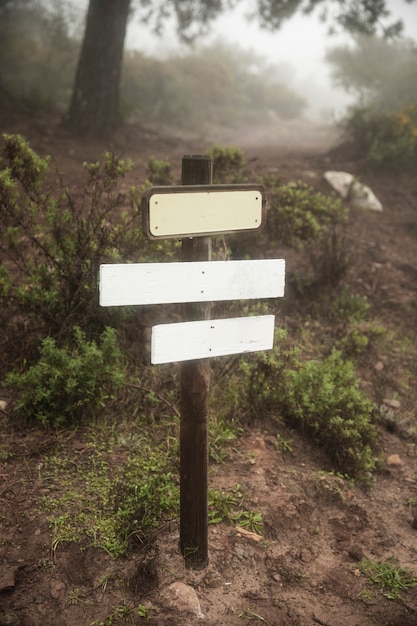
{"type": "Point", "coordinates": [317, 526]}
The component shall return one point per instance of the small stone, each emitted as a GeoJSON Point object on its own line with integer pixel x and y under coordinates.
{"type": "Point", "coordinates": [3, 405]}
{"type": "Point", "coordinates": [8, 578]}
{"type": "Point", "coordinates": [356, 552]}
{"type": "Point", "coordinates": [394, 404]}
{"type": "Point", "coordinates": [182, 598]}
{"type": "Point", "coordinates": [379, 366]}
{"type": "Point", "coordinates": [394, 460]}
{"type": "Point", "coordinates": [56, 588]}
{"type": "Point", "coordinates": [9, 618]}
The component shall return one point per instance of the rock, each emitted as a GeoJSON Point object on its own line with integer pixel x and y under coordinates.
{"type": "Point", "coordinates": [340, 181]}
{"type": "Point", "coordinates": [182, 598]}
{"type": "Point", "coordinates": [3, 405]}
{"type": "Point", "coordinates": [394, 460]}
{"type": "Point", "coordinates": [9, 618]}
{"type": "Point", "coordinates": [394, 404]}
{"type": "Point", "coordinates": [247, 534]}
{"type": "Point", "coordinates": [356, 552]}
{"type": "Point", "coordinates": [349, 188]}
{"type": "Point", "coordinates": [56, 588]}
{"type": "Point", "coordinates": [8, 578]}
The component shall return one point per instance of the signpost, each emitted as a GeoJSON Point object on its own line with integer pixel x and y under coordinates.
{"type": "Point", "coordinates": [193, 211]}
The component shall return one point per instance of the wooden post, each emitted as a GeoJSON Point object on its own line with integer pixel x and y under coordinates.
{"type": "Point", "coordinates": [194, 391]}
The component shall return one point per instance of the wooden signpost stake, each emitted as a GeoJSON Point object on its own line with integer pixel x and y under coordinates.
{"type": "Point", "coordinates": [194, 391]}
{"type": "Point", "coordinates": [192, 212]}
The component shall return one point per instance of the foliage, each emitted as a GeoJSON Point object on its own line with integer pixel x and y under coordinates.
{"type": "Point", "coordinates": [229, 507]}
{"type": "Point", "coordinates": [69, 383]}
{"type": "Point", "coordinates": [54, 245]}
{"type": "Point", "coordinates": [37, 55]}
{"type": "Point", "coordinates": [381, 73]}
{"type": "Point", "coordinates": [388, 577]}
{"type": "Point", "coordinates": [217, 85]}
{"type": "Point", "coordinates": [298, 213]}
{"type": "Point", "coordinates": [159, 172]}
{"type": "Point", "coordinates": [124, 613]}
{"type": "Point", "coordinates": [387, 140]}
{"type": "Point", "coordinates": [363, 17]}
{"type": "Point", "coordinates": [322, 399]}
{"type": "Point", "coordinates": [383, 76]}
{"type": "Point", "coordinates": [108, 504]}
{"type": "Point", "coordinates": [228, 163]}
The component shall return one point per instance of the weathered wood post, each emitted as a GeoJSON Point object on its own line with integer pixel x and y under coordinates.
{"type": "Point", "coordinates": [194, 391]}
{"type": "Point", "coordinates": [193, 211]}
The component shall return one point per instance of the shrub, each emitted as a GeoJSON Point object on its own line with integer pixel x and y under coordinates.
{"type": "Point", "coordinates": [71, 382]}
{"type": "Point", "coordinates": [159, 172]}
{"type": "Point", "coordinates": [323, 400]}
{"type": "Point", "coordinates": [298, 213]}
{"type": "Point", "coordinates": [385, 139]}
{"type": "Point", "coordinates": [53, 244]}
{"type": "Point", "coordinates": [228, 163]}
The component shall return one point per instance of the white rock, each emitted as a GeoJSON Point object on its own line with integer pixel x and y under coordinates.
{"type": "Point", "coordinates": [351, 189]}
{"type": "Point", "coordinates": [340, 181]}
{"type": "Point", "coordinates": [363, 197]}
{"type": "Point", "coordinates": [182, 598]}
{"type": "Point", "coordinates": [3, 405]}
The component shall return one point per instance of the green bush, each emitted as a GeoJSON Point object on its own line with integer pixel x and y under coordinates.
{"type": "Point", "coordinates": [159, 172]}
{"type": "Point", "coordinates": [323, 400]}
{"type": "Point", "coordinates": [54, 244]}
{"type": "Point", "coordinates": [228, 163]}
{"type": "Point", "coordinates": [298, 213]}
{"type": "Point", "coordinates": [385, 140]}
{"type": "Point", "coordinates": [69, 383]}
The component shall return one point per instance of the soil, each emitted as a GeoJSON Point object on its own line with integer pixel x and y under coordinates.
{"type": "Point", "coordinates": [304, 570]}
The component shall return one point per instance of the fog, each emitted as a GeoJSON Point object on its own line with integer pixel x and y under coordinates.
{"type": "Point", "coordinates": [235, 76]}
{"type": "Point", "coordinates": [300, 44]}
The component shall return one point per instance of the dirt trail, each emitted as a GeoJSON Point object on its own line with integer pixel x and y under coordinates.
{"type": "Point", "coordinates": [317, 526]}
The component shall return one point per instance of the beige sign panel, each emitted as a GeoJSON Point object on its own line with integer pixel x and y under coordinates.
{"type": "Point", "coordinates": [188, 211]}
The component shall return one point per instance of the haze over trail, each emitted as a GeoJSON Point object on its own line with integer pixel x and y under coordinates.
{"type": "Point", "coordinates": [298, 49]}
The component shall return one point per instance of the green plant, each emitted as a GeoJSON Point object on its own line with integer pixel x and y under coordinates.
{"type": "Point", "coordinates": [229, 507]}
{"type": "Point", "coordinates": [386, 139]}
{"type": "Point", "coordinates": [248, 614]}
{"type": "Point", "coordinates": [283, 444]}
{"type": "Point", "coordinates": [70, 382]}
{"type": "Point", "coordinates": [322, 399]}
{"type": "Point", "coordinates": [228, 163]}
{"type": "Point", "coordinates": [159, 172]}
{"type": "Point", "coordinates": [124, 613]}
{"type": "Point", "coordinates": [388, 577]}
{"type": "Point", "coordinates": [298, 213]}
{"type": "Point", "coordinates": [349, 306]}
{"type": "Point", "coordinates": [55, 244]}
{"type": "Point", "coordinates": [109, 505]}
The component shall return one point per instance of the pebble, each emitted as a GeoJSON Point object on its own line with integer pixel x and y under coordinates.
{"type": "Point", "coordinates": [182, 598]}
{"type": "Point", "coordinates": [394, 460]}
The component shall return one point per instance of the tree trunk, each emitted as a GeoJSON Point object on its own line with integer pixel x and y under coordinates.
{"type": "Point", "coordinates": [94, 107]}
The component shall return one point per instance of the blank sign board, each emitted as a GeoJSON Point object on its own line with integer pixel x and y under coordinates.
{"type": "Point", "coordinates": [205, 281]}
{"type": "Point", "coordinates": [186, 211]}
{"type": "Point", "coordinates": [186, 341]}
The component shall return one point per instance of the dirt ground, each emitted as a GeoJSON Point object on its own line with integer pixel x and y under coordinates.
{"type": "Point", "coordinates": [317, 526]}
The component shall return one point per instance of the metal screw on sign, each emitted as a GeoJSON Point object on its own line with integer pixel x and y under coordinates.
{"type": "Point", "coordinates": [192, 212]}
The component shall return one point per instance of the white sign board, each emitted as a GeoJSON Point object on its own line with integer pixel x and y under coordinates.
{"type": "Point", "coordinates": [205, 281]}
{"type": "Point", "coordinates": [186, 341]}
{"type": "Point", "coordinates": [191, 210]}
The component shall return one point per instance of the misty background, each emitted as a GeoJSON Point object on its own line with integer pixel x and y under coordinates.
{"type": "Point", "coordinates": [237, 74]}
